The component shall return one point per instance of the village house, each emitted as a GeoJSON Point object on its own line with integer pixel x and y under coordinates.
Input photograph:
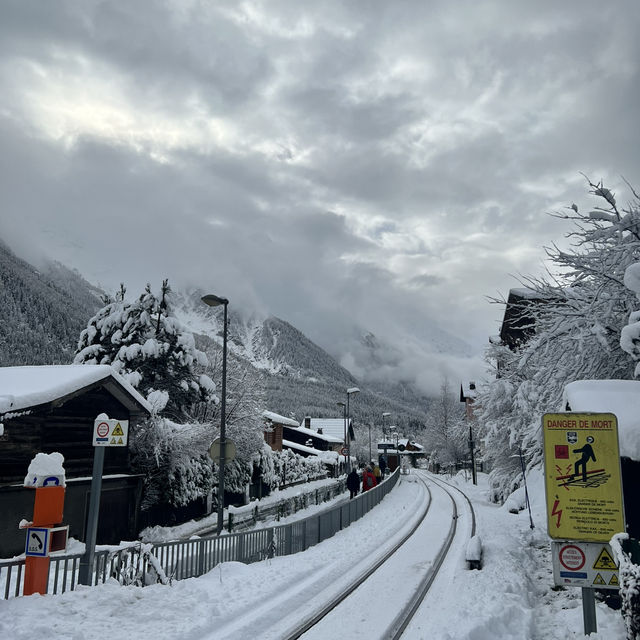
{"type": "Point", "coordinates": [53, 408]}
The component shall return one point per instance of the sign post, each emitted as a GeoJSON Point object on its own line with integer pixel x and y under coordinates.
{"type": "Point", "coordinates": [106, 433]}
{"type": "Point", "coordinates": [583, 486]}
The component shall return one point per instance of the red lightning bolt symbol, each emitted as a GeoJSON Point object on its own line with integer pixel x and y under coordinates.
{"type": "Point", "coordinates": [556, 513]}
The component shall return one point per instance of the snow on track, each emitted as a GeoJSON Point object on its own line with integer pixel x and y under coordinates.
{"type": "Point", "coordinates": [328, 568]}
{"type": "Point", "coordinates": [377, 602]}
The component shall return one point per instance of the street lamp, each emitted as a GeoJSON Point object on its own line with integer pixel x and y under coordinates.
{"type": "Point", "coordinates": [386, 414]}
{"type": "Point", "coordinates": [215, 301]}
{"type": "Point", "coordinates": [344, 415]}
{"type": "Point", "coordinates": [397, 435]}
{"type": "Point", "coordinates": [350, 392]}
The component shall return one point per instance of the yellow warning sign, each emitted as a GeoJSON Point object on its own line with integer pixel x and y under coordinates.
{"type": "Point", "coordinates": [605, 561]}
{"type": "Point", "coordinates": [614, 582]}
{"type": "Point", "coordinates": [599, 580]}
{"type": "Point", "coordinates": [582, 476]}
{"type": "Point", "coordinates": [117, 430]}
{"type": "Point", "coordinates": [120, 441]}
{"type": "Point", "coordinates": [112, 441]}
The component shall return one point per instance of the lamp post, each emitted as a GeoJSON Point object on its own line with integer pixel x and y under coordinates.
{"type": "Point", "coordinates": [370, 454]}
{"type": "Point", "coordinates": [344, 416]}
{"type": "Point", "coordinates": [397, 435]}
{"type": "Point", "coordinates": [350, 392]}
{"type": "Point", "coordinates": [215, 301]}
{"type": "Point", "coordinates": [386, 414]}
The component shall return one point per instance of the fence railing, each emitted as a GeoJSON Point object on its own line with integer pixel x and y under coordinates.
{"type": "Point", "coordinates": [245, 518]}
{"type": "Point", "coordinates": [144, 564]}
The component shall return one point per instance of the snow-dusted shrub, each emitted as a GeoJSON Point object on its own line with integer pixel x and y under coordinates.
{"type": "Point", "coordinates": [291, 467]}
{"type": "Point", "coordinates": [173, 458]}
{"type": "Point", "coordinates": [264, 460]}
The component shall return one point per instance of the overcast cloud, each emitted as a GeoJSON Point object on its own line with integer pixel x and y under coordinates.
{"type": "Point", "coordinates": [381, 163]}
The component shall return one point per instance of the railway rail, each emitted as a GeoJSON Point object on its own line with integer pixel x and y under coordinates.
{"type": "Point", "coordinates": [393, 614]}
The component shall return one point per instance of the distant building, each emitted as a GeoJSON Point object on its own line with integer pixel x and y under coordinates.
{"type": "Point", "coordinates": [274, 425]}
{"type": "Point", "coordinates": [518, 323]}
{"type": "Point", "coordinates": [407, 450]}
{"type": "Point", "coordinates": [332, 427]}
{"type": "Point", "coordinates": [468, 395]}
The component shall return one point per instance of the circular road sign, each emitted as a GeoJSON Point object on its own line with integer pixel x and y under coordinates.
{"type": "Point", "coordinates": [229, 450]}
{"type": "Point", "coordinates": [572, 557]}
{"type": "Point", "coordinates": [344, 451]}
{"type": "Point", "coordinates": [102, 429]}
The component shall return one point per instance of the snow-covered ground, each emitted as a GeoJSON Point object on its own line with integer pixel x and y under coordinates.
{"type": "Point", "coordinates": [512, 597]}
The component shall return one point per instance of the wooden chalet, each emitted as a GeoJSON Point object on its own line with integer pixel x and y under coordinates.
{"type": "Point", "coordinates": [274, 426]}
{"type": "Point", "coordinates": [53, 408]}
{"type": "Point", "coordinates": [468, 395]}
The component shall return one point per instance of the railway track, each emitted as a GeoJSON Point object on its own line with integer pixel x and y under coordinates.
{"type": "Point", "coordinates": [391, 592]}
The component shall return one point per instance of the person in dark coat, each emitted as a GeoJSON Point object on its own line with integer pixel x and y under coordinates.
{"type": "Point", "coordinates": [368, 479]}
{"type": "Point", "coordinates": [353, 483]}
{"type": "Point", "coordinates": [382, 465]}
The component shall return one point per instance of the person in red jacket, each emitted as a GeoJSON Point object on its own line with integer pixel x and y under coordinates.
{"type": "Point", "coordinates": [368, 479]}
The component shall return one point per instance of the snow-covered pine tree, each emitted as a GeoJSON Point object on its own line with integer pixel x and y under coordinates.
{"type": "Point", "coordinates": [149, 347]}
{"type": "Point", "coordinates": [584, 305]}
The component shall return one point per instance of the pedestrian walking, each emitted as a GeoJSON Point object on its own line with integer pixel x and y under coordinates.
{"type": "Point", "coordinates": [376, 472]}
{"type": "Point", "coordinates": [368, 479]}
{"type": "Point", "coordinates": [353, 483]}
{"type": "Point", "coordinates": [383, 466]}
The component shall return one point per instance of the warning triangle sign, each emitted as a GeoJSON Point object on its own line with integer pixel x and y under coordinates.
{"type": "Point", "coordinates": [113, 441]}
{"type": "Point", "coordinates": [605, 561]}
{"type": "Point", "coordinates": [120, 441]}
{"type": "Point", "coordinates": [599, 580]}
{"type": "Point", "coordinates": [614, 580]}
{"type": "Point", "coordinates": [117, 430]}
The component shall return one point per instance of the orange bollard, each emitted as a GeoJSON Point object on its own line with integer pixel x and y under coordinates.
{"type": "Point", "coordinates": [36, 575]}
{"type": "Point", "coordinates": [47, 512]}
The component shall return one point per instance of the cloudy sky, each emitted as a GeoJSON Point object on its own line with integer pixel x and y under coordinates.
{"type": "Point", "coordinates": [387, 164]}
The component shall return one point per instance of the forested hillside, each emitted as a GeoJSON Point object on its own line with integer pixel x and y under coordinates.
{"type": "Point", "coordinates": [41, 311]}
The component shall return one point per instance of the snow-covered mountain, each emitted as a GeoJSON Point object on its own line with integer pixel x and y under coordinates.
{"type": "Point", "coordinates": [42, 310]}
{"type": "Point", "coordinates": [300, 377]}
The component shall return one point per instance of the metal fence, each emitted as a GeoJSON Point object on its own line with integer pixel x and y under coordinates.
{"type": "Point", "coordinates": [143, 564]}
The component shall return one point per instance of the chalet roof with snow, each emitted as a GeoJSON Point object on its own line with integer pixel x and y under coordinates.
{"type": "Point", "coordinates": [327, 456]}
{"type": "Point", "coordinates": [468, 391]}
{"type": "Point", "coordinates": [321, 436]}
{"type": "Point", "coordinates": [32, 388]}
{"type": "Point", "coordinates": [278, 419]}
{"type": "Point", "coordinates": [333, 427]}
{"type": "Point", "coordinates": [620, 397]}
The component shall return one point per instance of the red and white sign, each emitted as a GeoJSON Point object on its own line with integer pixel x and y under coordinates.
{"type": "Point", "coordinates": [110, 433]}
{"type": "Point", "coordinates": [572, 557]}
{"type": "Point", "coordinates": [344, 451]}
{"type": "Point", "coordinates": [103, 429]}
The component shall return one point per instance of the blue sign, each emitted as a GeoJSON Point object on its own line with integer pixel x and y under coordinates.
{"type": "Point", "coordinates": [573, 574]}
{"type": "Point", "coordinates": [37, 542]}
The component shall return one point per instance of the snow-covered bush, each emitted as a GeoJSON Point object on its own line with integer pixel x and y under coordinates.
{"type": "Point", "coordinates": [290, 467]}
{"type": "Point", "coordinates": [173, 458]}
{"type": "Point", "coordinates": [264, 460]}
